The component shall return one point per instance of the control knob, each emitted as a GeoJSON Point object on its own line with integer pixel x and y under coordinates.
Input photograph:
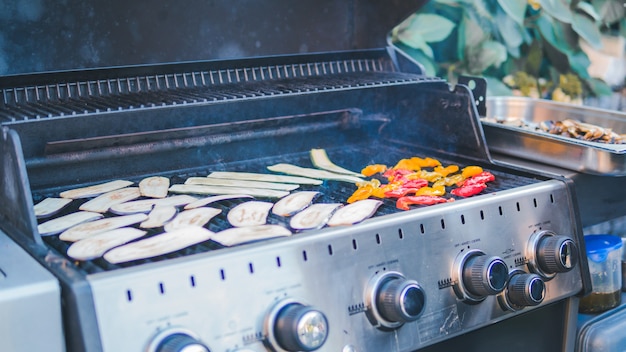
{"type": "Point", "coordinates": [393, 300]}
{"type": "Point", "coordinates": [293, 326]}
{"type": "Point", "coordinates": [552, 253]}
{"type": "Point", "coordinates": [178, 341]}
{"type": "Point", "coordinates": [480, 275]}
{"type": "Point", "coordinates": [524, 290]}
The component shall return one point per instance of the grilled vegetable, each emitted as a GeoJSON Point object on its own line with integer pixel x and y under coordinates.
{"type": "Point", "coordinates": [355, 212]}
{"type": "Point", "coordinates": [404, 202]}
{"type": "Point", "coordinates": [91, 228]}
{"type": "Point", "coordinates": [158, 216]}
{"type": "Point", "coordinates": [145, 205]}
{"type": "Point", "coordinates": [250, 213]}
{"type": "Point", "coordinates": [210, 181]}
{"type": "Point", "coordinates": [264, 177]}
{"type": "Point", "coordinates": [193, 217]}
{"type": "Point", "coordinates": [160, 244]}
{"type": "Point", "coordinates": [313, 217]}
{"type": "Point", "coordinates": [103, 202]}
{"type": "Point", "coordinates": [60, 224]}
{"type": "Point", "coordinates": [208, 200]}
{"type": "Point", "coordinates": [154, 187]}
{"type": "Point", "coordinates": [293, 203]}
{"type": "Point", "coordinates": [220, 190]}
{"type": "Point", "coordinates": [95, 246]}
{"type": "Point", "coordinates": [238, 235]}
{"type": "Point", "coordinates": [312, 173]}
{"type": "Point", "coordinates": [50, 206]}
{"type": "Point", "coordinates": [95, 190]}
{"type": "Point", "coordinates": [320, 159]}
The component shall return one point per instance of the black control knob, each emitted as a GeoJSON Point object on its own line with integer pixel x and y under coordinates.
{"type": "Point", "coordinates": [556, 254]}
{"type": "Point", "coordinates": [400, 301]}
{"type": "Point", "coordinates": [484, 276]}
{"type": "Point", "coordinates": [525, 290]}
{"type": "Point", "coordinates": [300, 328]}
{"type": "Point", "coordinates": [180, 342]}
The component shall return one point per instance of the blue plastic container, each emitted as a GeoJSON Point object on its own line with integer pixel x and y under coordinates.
{"type": "Point", "coordinates": [604, 256]}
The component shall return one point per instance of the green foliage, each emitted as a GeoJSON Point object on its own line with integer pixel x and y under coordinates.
{"type": "Point", "coordinates": [497, 38]}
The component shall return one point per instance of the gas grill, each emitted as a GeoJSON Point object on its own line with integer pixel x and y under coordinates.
{"type": "Point", "coordinates": [399, 281]}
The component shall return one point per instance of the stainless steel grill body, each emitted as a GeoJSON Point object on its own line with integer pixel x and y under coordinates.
{"type": "Point", "coordinates": [180, 121]}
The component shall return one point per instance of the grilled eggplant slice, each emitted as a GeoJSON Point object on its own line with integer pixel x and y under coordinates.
{"type": "Point", "coordinates": [160, 244]}
{"type": "Point", "coordinates": [313, 217]}
{"type": "Point", "coordinates": [95, 246]}
{"type": "Point", "coordinates": [91, 228]}
{"type": "Point", "coordinates": [251, 176]}
{"type": "Point", "coordinates": [320, 160]}
{"type": "Point", "coordinates": [95, 190]}
{"type": "Point", "coordinates": [193, 217]}
{"type": "Point", "coordinates": [294, 203]}
{"type": "Point", "coordinates": [312, 173]}
{"type": "Point", "coordinates": [355, 212]}
{"type": "Point", "coordinates": [50, 206]}
{"type": "Point", "coordinates": [252, 213]}
{"type": "Point", "coordinates": [146, 205]}
{"type": "Point", "coordinates": [209, 181]}
{"type": "Point", "coordinates": [238, 235]}
{"type": "Point", "coordinates": [208, 200]}
{"type": "Point", "coordinates": [218, 190]}
{"type": "Point", "coordinates": [159, 216]}
{"type": "Point", "coordinates": [154, 187]}
{"type": "Point", "coordinates": [62, 223]}
{"type": "Point", "coordinates": [103, 202]}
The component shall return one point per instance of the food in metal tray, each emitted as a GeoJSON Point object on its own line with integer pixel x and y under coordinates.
{"type": "Point", "coordinates": [294, 203]}
{"type": "Point", "coordinates": [320, 160]}
{"type": "Point", "coordinates": [158, 216]}
{"type": "Point", "coordinates": [95, 246]}
{"type": "Point", "coordinates": [264, 177]}
{"type": "Point", "coordinates": [192, 217]}
{"type": "Point", "coordinates": [95, 190]}
{"type": "Point", "coordinates": [62, 223]}
{"type": "Point", "coordinates": [217, 190]}
{"type": "Point", "coordinates": [581, 130]}
{"type": "Point", "coordinates": [314, 216]}
{"type": "Point", "coordinates": [50, 206]}
{"type": "Point", "coordinates": [355, 213]}
{"type": "Point", "coordinates": [154, 187]}
{"type": "Point", "coordinates": [210, 181]}
{"type": "Point", "coordinates": [239, 235]}
{"type": "Point", "coordinates": [91, 228]}
{"type": "Point", "coordinates": [160, 244]}
{"type": "Point", "coordinates": [146, 205]}
{"type": "Point", "coordinates": [208, 200]}
{"type": "Point", "coordinates": [103, 202]}
{"type": "Point", "coordinates": [250, 213]}
{"type": "Point", "coordinates": [312, 173]}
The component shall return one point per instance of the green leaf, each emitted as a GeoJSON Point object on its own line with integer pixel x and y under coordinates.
{"type": "Point", "coordinates": [495, 87]}
{"type": "Point", "coordinates": [579, 63]}
{"type": "Point", "coordinates": [533, 59]}
{"type": "Point", "coordinates": [510, 31]}
{"type": "Point", "coordinates": [589, 10]}
{"type": "Point", "coordinates": [430, 27]}
{"type": "Point", "coordinates": [610, 11]}
{"type": "Point", "coordinates": [474, 34]}
{"type": "Point", "coordinates": [515, 9]}
{"type": "Point", "coordinates": [489, 54]}
{"type": "Point", "coordinates": [558, 9]}
{"type": "Point", "coordinates": [460, 42]}
{"type": "Point", "coordinates": [598, 87]}
{"type": "Point", "coordinates": [587, 29]}
{"type": "Point", "coordinates": [416, 42]}
{"type": "Point", "coordinates": [622, 27]}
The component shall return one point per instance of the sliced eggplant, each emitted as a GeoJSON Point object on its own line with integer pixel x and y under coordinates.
{"type": "Point", "coordinates": [146, 205]}
{"type": "Point", "coordinates": [62, 223]}
{"type": "Point", "coordinates": [160, 244]}
{"type": "Point", "coordinates": [103, 202]}
{"type": "Point", "coordinates": [91, 228]}
{"type": "Point", "coordinates": [193, 217]}
{"type": "Point", "coordinates": [95, 190]}
{"type": "Point", "coordinates": [50, 206]}
{"type": "Point", "coordinates": [154, 186]}
{"type": "Point", "coordinates": [355, 212]}
{"type": "Point", "coordinates": [320, 160]}
{"type": "Point", "coordinates": [312, 173]}
{"type": "Point", "coordinates": [251, 176]}
{"type": "Point", "coordinates": [251, 213]}
{"type": "Point", "coordinates": [208, 200]}
{"type": "Point", "coordinates": [313, 217]}
{"type": "Point", "coordinates": [159, 216]}
{"type": "Point", "coordinates": [220, 190]}
{"type": "Point", "coordinates": [238, 235]}
{"type": "Point", "coordinates": [294, 203]}
{"type": "Point", "coordinates": [209, 181]}
{"type": "Point", "coordinates": [95, 246]}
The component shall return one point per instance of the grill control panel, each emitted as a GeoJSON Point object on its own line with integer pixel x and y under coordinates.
{"type": "Point", "coordinates": [394, 283]}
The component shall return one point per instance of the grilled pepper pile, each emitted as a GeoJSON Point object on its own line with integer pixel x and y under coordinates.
{"type": "Point", "coordinates": [420, 181]}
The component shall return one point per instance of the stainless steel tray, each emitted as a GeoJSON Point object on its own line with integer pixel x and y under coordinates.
{"type": "Point", "coordinates": [565, 152]}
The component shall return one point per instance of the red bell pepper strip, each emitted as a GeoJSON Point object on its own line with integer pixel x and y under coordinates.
{"type": "Point", "coordinates": [482, 177]}
{"type": "Point", "coordinates": [404, 202]}
{"type": "Point", "coordinates": [410, 186]}
{"type": "Point", "coordinates": [468, 190]}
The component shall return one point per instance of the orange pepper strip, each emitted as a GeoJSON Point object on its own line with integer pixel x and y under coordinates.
{"type": "Point", "coordinates": [408, 164]}
{"type": "Point", "coordinates": [470, 171]}
{"type": "Point", "coordinates": [360, 194]}
{"type": "Point", "coordinates": [428, 162]}
{"type": "Point", "coordinates": [445, 171]}
{"type": "Point", "coordinates": [431, 191]}
{"type": "Point", "coordinates": [370, 170]}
